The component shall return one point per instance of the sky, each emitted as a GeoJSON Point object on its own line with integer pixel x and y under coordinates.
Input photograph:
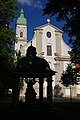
{"type": "Point", "coordinates": [33, 10]}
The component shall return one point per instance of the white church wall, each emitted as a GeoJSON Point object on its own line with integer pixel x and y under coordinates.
{"type": "Point", "coordinates": [64, 48]}
{"type": "Point", "coordinates": [48, 41]}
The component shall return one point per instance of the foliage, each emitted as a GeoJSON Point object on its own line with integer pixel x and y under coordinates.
{"type": "Point", "coordinates": [7, 36]}
{"type": "Point", "coordinates": [68, 11]}
{"type": "Point", "coordinates": [21, 84]}
{"type": "Point", "coordinates": [8, 10]}
{"type": "Point", "coordinates": [18, 55]}
{"type": "Point", "coordinates": [69, 77]}
{"type": "Point", "coordinates": [75, 52]}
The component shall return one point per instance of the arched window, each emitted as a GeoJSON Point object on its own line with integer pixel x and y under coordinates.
{"type": "Point", "coordinates": [20, 46]}
{"type": "Point", "coordinates": [49, 50]}
{"type": "Point", "coordinates": [21, 34]}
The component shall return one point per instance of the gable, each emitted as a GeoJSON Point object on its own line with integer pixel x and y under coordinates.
{"type": "Point", "coordinates": [48, 24]}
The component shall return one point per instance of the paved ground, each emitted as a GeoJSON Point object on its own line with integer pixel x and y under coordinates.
{"type": "Point", "coordinates": [61, 109]}
{"type": "Point", "coordinates": [66, 99]}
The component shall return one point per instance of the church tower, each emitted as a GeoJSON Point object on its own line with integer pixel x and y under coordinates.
{"type": "Point", "coordinates": [21, 31]}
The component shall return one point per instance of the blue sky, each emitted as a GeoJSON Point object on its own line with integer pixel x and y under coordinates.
{"type": "Point", "coordinates": [33, 13]}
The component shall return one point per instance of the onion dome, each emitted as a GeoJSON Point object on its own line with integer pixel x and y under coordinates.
{"type": "Point", "coordinates": [21, 20]}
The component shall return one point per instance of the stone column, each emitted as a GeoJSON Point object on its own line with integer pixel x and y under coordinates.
{"type": "Point", "coordinates": [49, 89]}
{"type": "Point", "coordinates": [41, 89]}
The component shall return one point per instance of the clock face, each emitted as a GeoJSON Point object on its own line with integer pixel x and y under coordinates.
{"type": "Point", "coordinates": [48, 34]}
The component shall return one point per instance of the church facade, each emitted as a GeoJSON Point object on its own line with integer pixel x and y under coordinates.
{"type": "Point", "coordinates": [49, 45]}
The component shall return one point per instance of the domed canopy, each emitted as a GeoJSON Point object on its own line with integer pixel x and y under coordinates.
{"type": "Point", "coordinates": [33, 65]}
{"type": "Point", "coordinates": [21, 20]}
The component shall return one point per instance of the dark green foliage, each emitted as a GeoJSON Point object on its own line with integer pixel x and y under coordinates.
{"type": "Point", "coordinates": [21, 84]}
{"type": "Point", "coordinates": [69, 77]}
{"type": "Point", "coordinates": [75, 52]}
{"type": "Point", "coordinates": [8, 10]}
{"type": "Point", "coordinates": [18, 55]}
{"type": "Point", "coordinates": [7, 36]}
{"type": "Point", "coordinates": [68, 11]}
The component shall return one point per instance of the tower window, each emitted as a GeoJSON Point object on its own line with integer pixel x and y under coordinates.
{"type": "Point", "coordinates": [21, 34]}
{"type": "Point", "coordinates": [49, 50]}
{"type": "Point", "coordinates": [20, 46]}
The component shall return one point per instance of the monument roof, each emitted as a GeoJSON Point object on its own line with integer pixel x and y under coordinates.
{"type": "Point", "coordinates": [33, 65]}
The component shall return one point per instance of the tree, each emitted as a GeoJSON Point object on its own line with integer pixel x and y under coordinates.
{"type": "Point", "coordinates": [68, 11]}
{"type": "Point", "coordinates": [69, 77]}
{"type": "Point", "coordinates": [7, 35]}
{"type": "Point", "coordinates": [8, 10]}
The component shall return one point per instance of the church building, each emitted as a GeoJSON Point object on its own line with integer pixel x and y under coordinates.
{"type": "Point", "coordinates": [49, 45]}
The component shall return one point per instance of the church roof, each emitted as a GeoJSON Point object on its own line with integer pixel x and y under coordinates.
{"type": "Point", "coordinates": [21, 20]}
